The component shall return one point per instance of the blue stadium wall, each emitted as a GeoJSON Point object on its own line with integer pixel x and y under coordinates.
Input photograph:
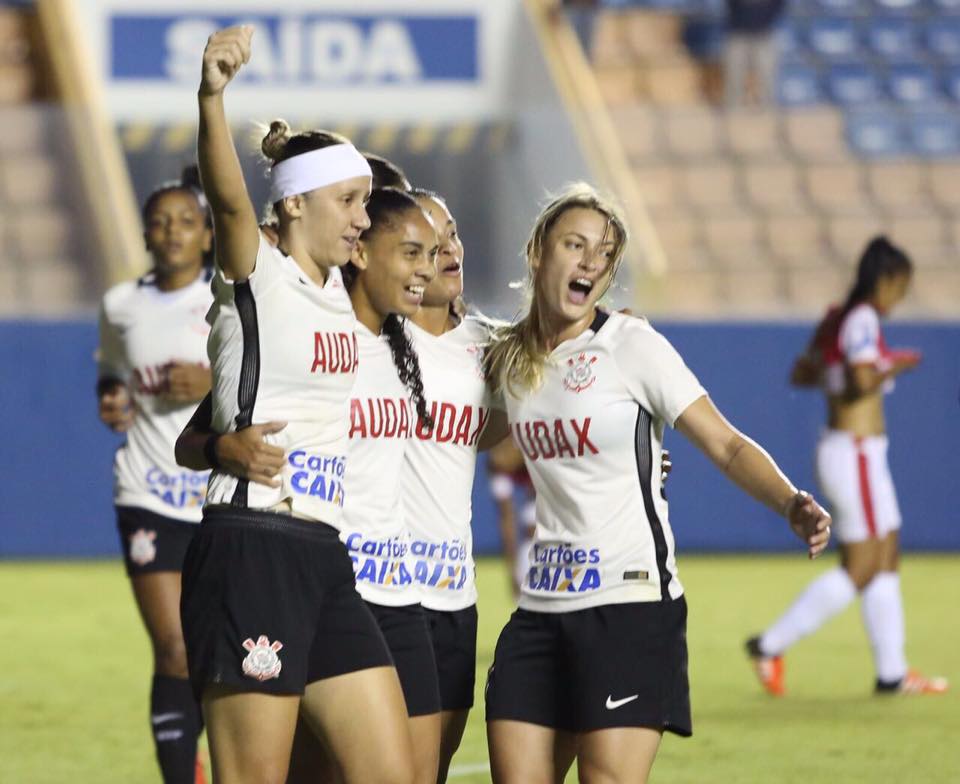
{"type": "Point", "coordinates": [56, 457]}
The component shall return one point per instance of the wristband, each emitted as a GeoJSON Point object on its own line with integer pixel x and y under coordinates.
{"type": "Point", "coordinates": [210, 451]}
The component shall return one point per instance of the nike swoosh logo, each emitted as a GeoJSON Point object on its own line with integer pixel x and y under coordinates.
{"type": "Point", "coordinates": [160, 718]}
{"type": "Point", "coordinates": [613, 704]}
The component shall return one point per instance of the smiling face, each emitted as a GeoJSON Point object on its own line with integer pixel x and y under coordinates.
{"type": "Point", "coordinates": [333, 217]}
{"type": "Point", "coordinates": [398, 260]}
{"type": "Point", "coordinates": [176, 233]}
{"type": "Point", "coordinates": [575, 265]}
{"type": "Point", "coordinates": [448, 283]}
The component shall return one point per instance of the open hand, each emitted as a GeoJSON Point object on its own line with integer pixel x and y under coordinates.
{"type": "Point", "coordinates": [247, 454]}
{"type": "Point", "coordinates": [116, 408]}
{"type": "Point", "coordinates": [809, 521]}
{"type": "Point", "coordinates": [187, 382]}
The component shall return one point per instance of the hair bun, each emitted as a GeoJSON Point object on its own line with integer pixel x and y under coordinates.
{"type": "Point", "coordinates": [275, 140]}
{"type": "Point", "coordinates": [190, 177]}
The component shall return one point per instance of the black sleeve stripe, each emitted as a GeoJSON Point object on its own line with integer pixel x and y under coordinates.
{"type": "Point", "coordinates": [249, 371]}
{"type": "Point", "coordinates": [644, 454]}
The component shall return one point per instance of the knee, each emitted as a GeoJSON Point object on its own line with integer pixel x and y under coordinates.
{"type": "Point", "coordinates": [170, 655]}
{"type": "Point", "coordinates": [862, 575]}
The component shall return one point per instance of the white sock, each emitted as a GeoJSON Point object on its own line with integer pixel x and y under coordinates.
{"type": "Point", "coordinates": [882, 609]}
{"type": "Point", "coordinates": [823, 598]}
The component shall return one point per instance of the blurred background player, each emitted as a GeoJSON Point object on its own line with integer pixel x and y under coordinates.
{"type": "Point", "coordinates": [152, 371]}
{"type": "Point", "coordinates": [597, 650]}
{"type": "Point", "coordinates": [850, 359]}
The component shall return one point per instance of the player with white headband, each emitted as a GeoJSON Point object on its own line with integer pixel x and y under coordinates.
{"type": "Point", "coordinates": [597, 651]}
{"type": "Point", "coordinates": [273, 624]}
{"type": "Point", "coordinates": [152, 369]}
{"type": "Point", "coordinates": [393, 263]}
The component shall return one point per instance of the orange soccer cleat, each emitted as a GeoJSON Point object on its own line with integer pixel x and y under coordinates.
{"type": "Point", "coordinates": [200, 775]}
{"type": "Point", "coordinates": [914, 683]}
{"type": "Point", "coordinates": [769, 669]}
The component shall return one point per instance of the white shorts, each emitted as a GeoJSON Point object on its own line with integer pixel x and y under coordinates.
{"type": "Point", "coordinates": [855, 478]}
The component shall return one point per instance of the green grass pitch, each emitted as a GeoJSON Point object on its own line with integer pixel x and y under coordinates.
{"type": "Point", "coordinates": [74, 684]}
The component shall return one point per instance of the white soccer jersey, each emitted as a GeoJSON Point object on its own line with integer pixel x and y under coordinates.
{"type": "Point", "coordinates": [591, 436]}
{"type": "Point", "coordinates": [283, 348]}
{"type": "Point", "coordinates": [382, 420]}
{"type": "Point", "coordinates": [440, 464]}
{"type": "Point", "coordinates": [143, 330]}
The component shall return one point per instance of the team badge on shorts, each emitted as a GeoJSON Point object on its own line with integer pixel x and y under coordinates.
{"type": "Point", "coordinates": [142, 548]}
{"type": "Point", "coordinates": [579, 373]}
{"type": "Point", "coordinates": [262, 663]}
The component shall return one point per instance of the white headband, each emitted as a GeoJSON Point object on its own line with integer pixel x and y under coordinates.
{"type": "Point", "coordinates": [316, 169]}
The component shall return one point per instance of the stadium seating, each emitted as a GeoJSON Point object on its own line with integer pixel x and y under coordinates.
{"type": "Point", "coordinates": [765, 210]}
{"type": "Point", "coordinates": [42, 264]}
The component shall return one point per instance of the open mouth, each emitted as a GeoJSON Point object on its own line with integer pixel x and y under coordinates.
{"type": "Point", "coordinates": [415, 292]}
{"type": "Point", "coordinates": [579, 290]}
{"type": "Point", "coordinates": [453, 268]}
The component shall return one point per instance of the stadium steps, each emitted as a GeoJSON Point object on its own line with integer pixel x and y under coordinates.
{"type": "Point", "coordinates": [39, 273]}
{"type": "Point", "coordinates": [765, 211]}
{"type": "Point", "coordinates": [68, 220]}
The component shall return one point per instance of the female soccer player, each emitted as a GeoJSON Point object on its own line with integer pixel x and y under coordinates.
{"type": "Point", "coordinates": [439, 473]}
{"type": "Point", "coordinates": [272, 620]}
{"type": "Point", "coordinates": [153, 369]}
{"type": "Point", "coordinates": [597, 648]}
{"type": "Point", "coordinates": [849, 357]}
{"type": "Point", "coordinates": [394, 262]}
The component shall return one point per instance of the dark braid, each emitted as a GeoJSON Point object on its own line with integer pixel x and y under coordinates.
{"type": "Point", "coordinates": [407, 363]}
{"type": "Point", "coordinates": [384, 205]}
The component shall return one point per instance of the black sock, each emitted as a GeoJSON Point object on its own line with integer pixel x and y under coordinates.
{"type": "Point", "coordinates": [176, 722]}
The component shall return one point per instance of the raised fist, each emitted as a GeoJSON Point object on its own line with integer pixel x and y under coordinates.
{"type": "Point", "coordinates": [226, 52]}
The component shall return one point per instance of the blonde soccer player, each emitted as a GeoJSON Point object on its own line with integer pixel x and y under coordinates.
{"type": "Point", "coordinates": [596, 653]}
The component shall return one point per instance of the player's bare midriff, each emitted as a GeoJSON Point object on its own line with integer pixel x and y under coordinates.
{"type": "Point", "coordinates": [861, 417]}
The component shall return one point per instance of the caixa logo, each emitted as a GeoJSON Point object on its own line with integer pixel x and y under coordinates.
{"type": "Point", "coordinates": [293, 48]}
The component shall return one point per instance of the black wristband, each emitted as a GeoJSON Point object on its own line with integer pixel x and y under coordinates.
{"type": "Point", "coordinates": [210, 450]}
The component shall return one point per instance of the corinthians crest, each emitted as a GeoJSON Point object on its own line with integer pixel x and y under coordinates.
{"type": "Point", "coordinates": [142, 548]}
{"type": "Point", "coordinates": [262, 663]}
{"type": "Point", "coordinates": [579, 374]}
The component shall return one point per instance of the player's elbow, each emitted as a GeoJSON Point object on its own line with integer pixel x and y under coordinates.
{"type": "Point", "coordinates": [185, 453]}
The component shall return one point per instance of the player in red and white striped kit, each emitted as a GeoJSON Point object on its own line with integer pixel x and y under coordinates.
{"type": "Point", "coordinates": [850, 359]}
{"type": "Point", "coordinates": [152, 370]}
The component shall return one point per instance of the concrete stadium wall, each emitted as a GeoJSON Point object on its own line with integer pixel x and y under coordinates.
{"type": "Point", "coordinates": [56, 457]}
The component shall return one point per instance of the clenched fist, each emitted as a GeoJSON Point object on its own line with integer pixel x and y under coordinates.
{"type": "Point", "coordinates": [226, 52]}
